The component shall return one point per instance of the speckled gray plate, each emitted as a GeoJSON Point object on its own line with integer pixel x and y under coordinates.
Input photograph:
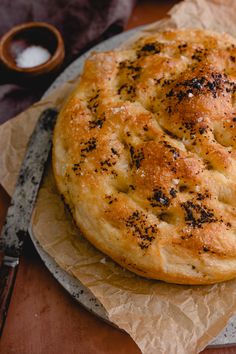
{"type": "Point", "coordinates": [227, 337]}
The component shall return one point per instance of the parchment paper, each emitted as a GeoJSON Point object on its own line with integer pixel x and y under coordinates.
{"type": "Point", "coordinates": [161, 318]}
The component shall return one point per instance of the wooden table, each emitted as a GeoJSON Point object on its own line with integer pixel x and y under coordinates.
{"type": "Point", "coordinates": [42, 317]}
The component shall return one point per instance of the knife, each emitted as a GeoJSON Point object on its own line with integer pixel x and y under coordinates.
{"type": "Point", "coordinates": [19, 213]}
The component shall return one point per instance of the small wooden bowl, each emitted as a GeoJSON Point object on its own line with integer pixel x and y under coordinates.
{"type": "Point", "coordinates": [32, 33]}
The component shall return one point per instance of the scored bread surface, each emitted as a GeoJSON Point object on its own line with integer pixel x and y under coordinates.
{"type": "Point", "coordinates": [144, 155]}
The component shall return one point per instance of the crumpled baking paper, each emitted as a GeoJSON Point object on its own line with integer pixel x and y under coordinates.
{"type": "Point", "coordinates": [160, 317]}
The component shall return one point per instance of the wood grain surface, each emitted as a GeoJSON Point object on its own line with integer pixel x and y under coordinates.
{"type": "Point", "coordinates": [43, 318]}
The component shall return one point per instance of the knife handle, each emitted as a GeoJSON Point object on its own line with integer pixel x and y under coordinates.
{"type": "Point", "coordinates": [7, 281]}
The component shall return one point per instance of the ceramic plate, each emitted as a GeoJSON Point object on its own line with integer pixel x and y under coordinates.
{"type": "Point", "coordinates": [71, 284]}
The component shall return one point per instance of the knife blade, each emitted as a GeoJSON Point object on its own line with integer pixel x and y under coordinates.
{"type": "Point", "coordinates": [19, 212]}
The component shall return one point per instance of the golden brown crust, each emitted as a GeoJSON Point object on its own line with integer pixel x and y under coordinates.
{"type": "Point", "coordinates": [144, 154]}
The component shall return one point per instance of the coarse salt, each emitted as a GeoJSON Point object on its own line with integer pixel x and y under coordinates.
{"type": "Point", "coordinates": [200, 119]}
{"type": "Point", "coordinates": [32, 56]}
{"type": "Point", "coordinates": [190, 94]}
{"type": "Point", "coordinates": [175, 181]}
{"type": "Point", "coordinates": [116, 109]}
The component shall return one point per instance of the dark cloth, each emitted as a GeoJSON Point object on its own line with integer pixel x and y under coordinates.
{"type": "Point", "coordinates": [82, 24]}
